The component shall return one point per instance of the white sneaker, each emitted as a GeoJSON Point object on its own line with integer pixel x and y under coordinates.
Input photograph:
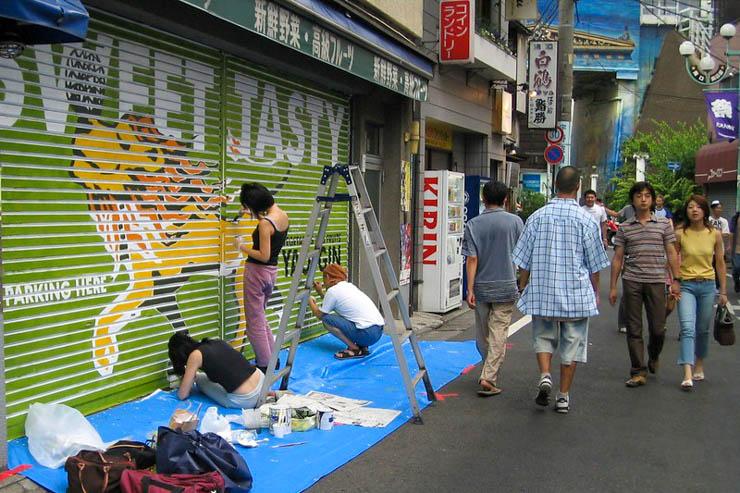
{"type": "Point", "coordinates": [543, 390]}
{"type": "Point", "coordinates": [623, 330]}
{"type": "Point", "coordinates": [562, 403]}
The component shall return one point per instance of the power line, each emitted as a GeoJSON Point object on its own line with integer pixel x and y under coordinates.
{"type": "Point", "coordinates": [679, 2]}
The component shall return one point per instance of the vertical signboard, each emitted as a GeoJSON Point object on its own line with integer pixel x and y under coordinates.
{"type": "Point", "coordinates": [543, 80]}
{"type": "Point", "coordinates": [723, 113]}
{"type": "Point", "coordinates": [456, 31]}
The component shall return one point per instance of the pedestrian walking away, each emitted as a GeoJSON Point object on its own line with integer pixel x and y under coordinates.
{"type": "Point", "coordinates": [488, 244]}
{"type": "Point", "coordinates": [559, 252]}
{"type": "Point", "coordinates": [642, 247]}
{"type": "Point", "coordinates": [699, 241]}
{"type": "Point", "coordinates": [357, 322]}
{"type": "Point", "coordinates": [260, 269]}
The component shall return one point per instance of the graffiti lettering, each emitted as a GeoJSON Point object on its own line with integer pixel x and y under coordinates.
{"type": "Point", "coordinates": [49, 291]}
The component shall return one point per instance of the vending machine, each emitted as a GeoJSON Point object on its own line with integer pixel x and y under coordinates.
{"type": "Point", "coordinates": [473, 207]}
{"type": "Point", "coordinates": [442, 233]}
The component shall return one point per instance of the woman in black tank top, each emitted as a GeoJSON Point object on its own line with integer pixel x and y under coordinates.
{"type": "Point", "coordinates": [260, 270]}
{"type": "Point", "coordinates": [217, 370]}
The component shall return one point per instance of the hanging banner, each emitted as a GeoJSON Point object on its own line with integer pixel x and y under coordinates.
{"type": "Point", "coordinates": [456, 31]}
{"type": "Point", "coordinates": [518, 10]}
{"type": "Point", "coordinates": [723, 110]}
{"type": "Point", "coordinates": [543, 80]}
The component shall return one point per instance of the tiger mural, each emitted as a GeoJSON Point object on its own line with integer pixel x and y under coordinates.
{"type": "Point", "coordinates": [158, 217]}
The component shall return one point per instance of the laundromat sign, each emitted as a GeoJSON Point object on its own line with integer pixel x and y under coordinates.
{"type": "Point", "coordinates": [273, 21]}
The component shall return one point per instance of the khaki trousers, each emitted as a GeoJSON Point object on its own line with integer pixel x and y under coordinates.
{"type": "Point", "coordinates": [492, 324]}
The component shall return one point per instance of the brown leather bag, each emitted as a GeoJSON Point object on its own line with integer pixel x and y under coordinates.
{"type": "Point", "coordinates": [95, 472]}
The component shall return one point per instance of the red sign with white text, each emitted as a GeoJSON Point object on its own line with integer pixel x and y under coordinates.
{"type": "Point", "coordinates": [431, 218]}
{"type": "Point", "coordinates": [456, 31]}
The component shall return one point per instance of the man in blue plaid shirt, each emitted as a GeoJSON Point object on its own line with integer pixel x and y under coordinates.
{"type": "Point", "coordinates": [560, 254]}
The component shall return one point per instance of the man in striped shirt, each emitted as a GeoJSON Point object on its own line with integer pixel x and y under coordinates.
{"type": "Point", "coordinates": [641, 247]}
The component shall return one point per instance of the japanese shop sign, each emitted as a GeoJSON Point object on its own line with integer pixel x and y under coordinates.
{"type": "Point", "coordinates": [723, 110]}
{"type": "Point", "coordinates": [456, 31]}
{"type": "Point", "coordinates": [271, 20]}
{"type": "Point", "coordinates": [543, 80]}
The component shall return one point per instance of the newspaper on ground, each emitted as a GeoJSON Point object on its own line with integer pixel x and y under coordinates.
{"type": "Point", "coordinates": [336, 402]}
{"type": "Point", "coordinates": [368, 417]}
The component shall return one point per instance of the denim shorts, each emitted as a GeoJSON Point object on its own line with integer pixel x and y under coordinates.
{"type": "Point", "coordinates": [569, 336]}
{"type": "Point", "coordinates": [362, 337]}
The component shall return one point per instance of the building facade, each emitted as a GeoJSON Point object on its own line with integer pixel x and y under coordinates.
{"type": "Point", "coordinates": [122, 161]}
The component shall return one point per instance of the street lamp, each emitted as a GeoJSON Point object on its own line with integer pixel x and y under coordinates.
{"type": "Point", "coordinates": [706, 72]}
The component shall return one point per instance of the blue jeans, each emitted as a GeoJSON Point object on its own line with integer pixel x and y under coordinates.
{"type": "Point", "coordinates": [695, 313]}
{"type": "Point", "coordinates": [361, 337]}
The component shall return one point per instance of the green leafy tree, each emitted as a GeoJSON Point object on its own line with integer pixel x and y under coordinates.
{"type": "Point", "coordinates": [530, 201]}
{"type": "Point", "coordinates": [675, 142]}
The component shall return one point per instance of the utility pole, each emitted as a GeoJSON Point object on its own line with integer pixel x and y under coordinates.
{"type": "Point", "coordinates": [565, 58]}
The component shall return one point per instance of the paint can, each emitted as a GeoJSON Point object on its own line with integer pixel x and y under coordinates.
{"type": "Point", "coordinates": [326, 420]}
{"type": "Point", "coordinates": [280, 421]}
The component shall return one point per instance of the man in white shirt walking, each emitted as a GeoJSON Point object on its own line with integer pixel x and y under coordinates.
{"type": "Point", "coordinates": [597, 212]}
{"type": "Point", "coordinates": [357, 322]}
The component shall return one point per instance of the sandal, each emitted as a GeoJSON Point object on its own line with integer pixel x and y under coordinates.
{"type": "Point", "coordinates": [350, 353]}
{"type": "Point", "coordinates": [687, 385]}
{"type": "Point", "coordinates": [698, 376]}
{"type": "Point", "coordinates": [488, 390]}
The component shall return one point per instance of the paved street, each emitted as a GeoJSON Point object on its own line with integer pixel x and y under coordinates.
{"type": "Point", "coordinates": [655, 438]}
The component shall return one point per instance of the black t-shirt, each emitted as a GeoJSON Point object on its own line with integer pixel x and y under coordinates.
{"type": "Point", "coordinates": [224, 365]}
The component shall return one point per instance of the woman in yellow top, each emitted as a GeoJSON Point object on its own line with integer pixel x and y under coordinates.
{"type": "Point", "coordinates": [699, 242]}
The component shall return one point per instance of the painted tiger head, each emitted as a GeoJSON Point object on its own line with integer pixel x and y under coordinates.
{"type": "Point", "coordinates": [131, 169]}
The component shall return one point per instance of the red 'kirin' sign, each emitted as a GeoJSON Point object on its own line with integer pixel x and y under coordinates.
{"type": "Point", "coordinates": [456, 31]}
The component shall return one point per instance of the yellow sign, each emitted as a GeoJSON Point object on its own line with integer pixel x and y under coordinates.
{"type": "Point", "coordinates": [438, 136]}
{"type": "Point", "coordinates": [502, 112]}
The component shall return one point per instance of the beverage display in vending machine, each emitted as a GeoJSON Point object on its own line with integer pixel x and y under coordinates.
{"type": "Point", "coordinates": [442, 234]}
{"type": "Point", "coordinates": [473, 208]}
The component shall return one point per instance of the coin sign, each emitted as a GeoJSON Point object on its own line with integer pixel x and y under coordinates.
{"type": "Point", "coordinates": [554, 136]}
{"type": "Point", "coordinates": [553, 154]}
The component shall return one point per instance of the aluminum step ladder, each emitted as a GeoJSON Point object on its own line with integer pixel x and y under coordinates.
{"type": "Point", "coordinates": [376, 254]}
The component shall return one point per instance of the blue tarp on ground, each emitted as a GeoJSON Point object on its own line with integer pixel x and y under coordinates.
{"type": "Point", "coordinates": [376, 378]}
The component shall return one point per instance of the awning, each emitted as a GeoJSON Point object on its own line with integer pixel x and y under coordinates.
{"type": "Point", "coordinates": [43, 21]}
{"type": "Point", "coordinates": [322, 31]}
{"type": "Point", "coordinates": [716, 162]}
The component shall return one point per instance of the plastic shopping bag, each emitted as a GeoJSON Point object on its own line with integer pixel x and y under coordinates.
{"type": "Point", "coordinates": [215, 423]}
{"type": "Point", "coordinates": [56, 431]}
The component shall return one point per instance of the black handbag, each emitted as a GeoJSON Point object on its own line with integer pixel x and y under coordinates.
{"type": "Point", "coordinates": [724, 326]}
{"type": "Point", "coordinates": [192, 452]}
{"type": "Point", "coordinates": [141, 453]}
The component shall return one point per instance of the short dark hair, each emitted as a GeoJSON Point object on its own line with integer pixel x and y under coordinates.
{"type": "Point", "coordinates": [179, 348]}
{"type": "Point", "coordinates": [257, 198]}
{"type": "Point", "coordinates": [495, 193]}
{"type": "Point", "coordinates": [641, 186]}
{"type": "Point", "coordinates": [568, 179]}
{"type": "Point", "coordinates": [589, 192]}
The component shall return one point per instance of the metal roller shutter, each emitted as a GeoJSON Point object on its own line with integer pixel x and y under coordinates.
{"type": "Point", "coordinates": [112, 167]}
{"type": "Point", "coordinates": [280, 133]}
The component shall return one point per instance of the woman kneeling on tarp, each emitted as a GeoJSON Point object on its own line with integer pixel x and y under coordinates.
{"type": "Point", "coordinates": [357, 321]}
{"type": "Point", "coordinates": [224, 376]}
